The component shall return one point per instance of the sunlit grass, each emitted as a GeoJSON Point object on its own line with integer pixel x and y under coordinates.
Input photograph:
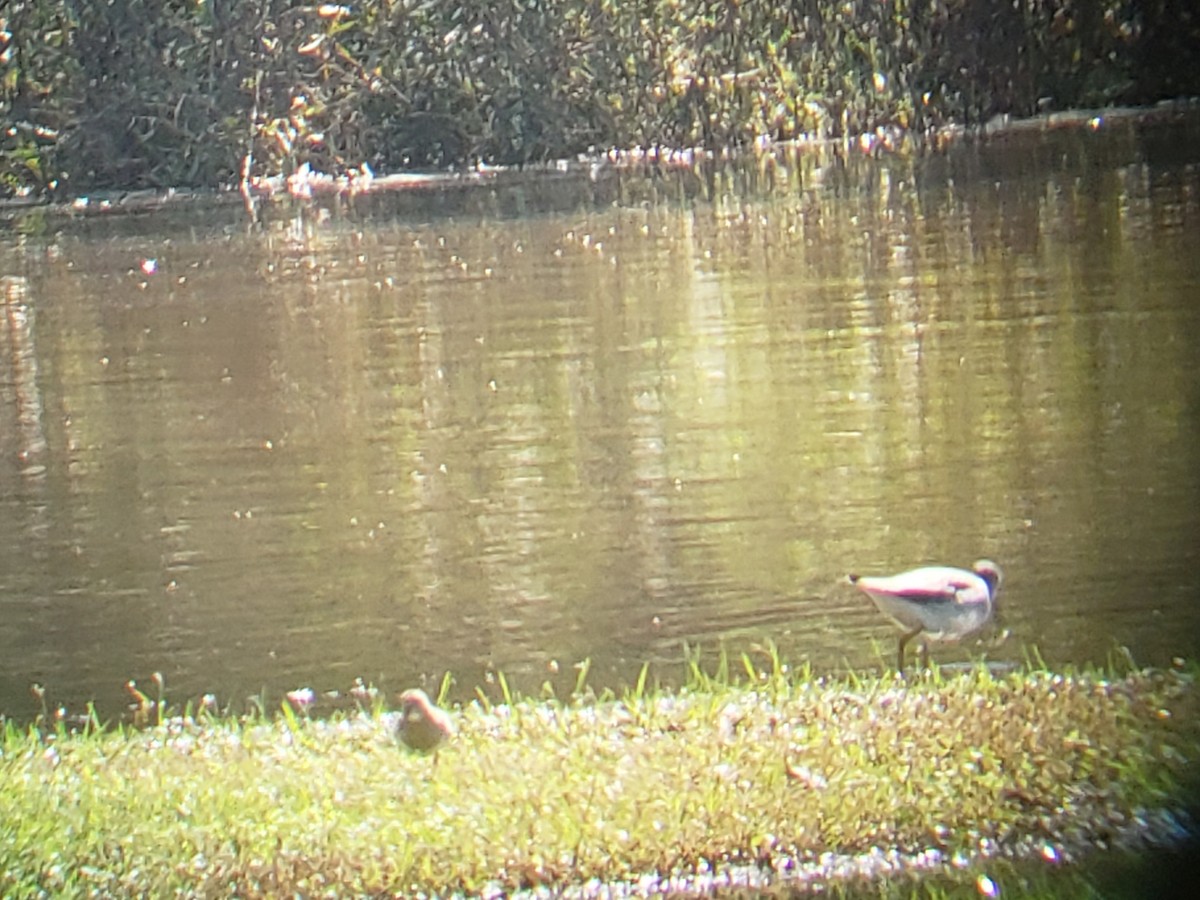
{"type": "Point", "coordinates": [750, 774]}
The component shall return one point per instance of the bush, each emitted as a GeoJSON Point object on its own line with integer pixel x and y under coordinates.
{"type": "Point", "coordinates": [156, 93]}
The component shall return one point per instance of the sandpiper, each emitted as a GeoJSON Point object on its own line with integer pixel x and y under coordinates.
{"type": "Point", "coordinates": [941, 603]}
{"type": "Point", "coordinates": [421, 725]}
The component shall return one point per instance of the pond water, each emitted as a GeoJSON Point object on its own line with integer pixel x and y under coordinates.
{"type": "Point", "coordinates": [603, 414]}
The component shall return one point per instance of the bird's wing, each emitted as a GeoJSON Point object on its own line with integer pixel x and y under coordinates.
{"type": "Point", "coordinates": [927, 595]}
{"type": "Point", "coordinates": [931, 585]}
{"type": "Point", "coordinates": [968, 588]}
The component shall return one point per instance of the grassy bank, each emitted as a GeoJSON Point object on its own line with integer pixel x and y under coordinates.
{"type": "Point", "coordinates": [779, 779]}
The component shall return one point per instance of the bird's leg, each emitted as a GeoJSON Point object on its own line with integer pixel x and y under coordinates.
{"type": "Point", "coordinates": [904, 639]}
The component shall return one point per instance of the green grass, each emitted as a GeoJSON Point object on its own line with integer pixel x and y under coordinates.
{"type": "Point", "coordinates": [728, 780]}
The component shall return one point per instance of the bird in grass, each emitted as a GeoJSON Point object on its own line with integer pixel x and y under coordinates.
{"type": "Point", "coordinates": [422, 726]}
{"type": "Point", "coordinates": [941, 603]}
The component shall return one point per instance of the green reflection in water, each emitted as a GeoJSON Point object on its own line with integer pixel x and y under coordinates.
{"type": "Point", "coordinates": [433, 435]}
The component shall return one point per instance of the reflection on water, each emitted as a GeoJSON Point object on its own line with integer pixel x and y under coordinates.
{"type": "Point", "coordinates": [504, 430]}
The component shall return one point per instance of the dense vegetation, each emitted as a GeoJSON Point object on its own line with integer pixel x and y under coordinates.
{"type": "Point", "coordinates": [153, 93]}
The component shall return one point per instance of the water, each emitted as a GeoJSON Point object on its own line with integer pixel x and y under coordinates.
{"type": "Point", "coordinates": [599, 415]}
